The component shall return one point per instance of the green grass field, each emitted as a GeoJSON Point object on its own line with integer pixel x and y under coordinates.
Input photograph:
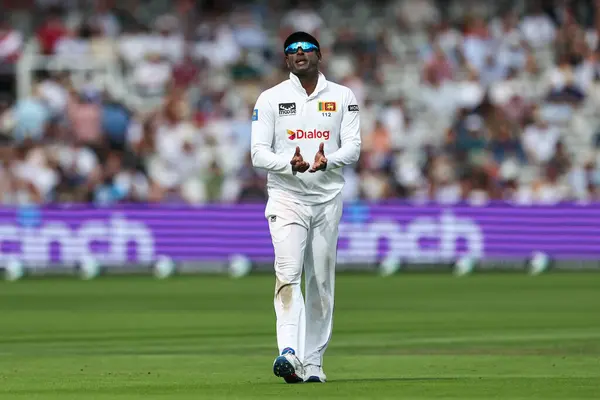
{"type": "Point", "coordinates": [417, 336]}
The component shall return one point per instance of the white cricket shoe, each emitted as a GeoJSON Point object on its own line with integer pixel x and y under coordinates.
{"type": "Point", "coordinates": [314, 373]}
{"type": "Point", "coordinates": [288, 366]}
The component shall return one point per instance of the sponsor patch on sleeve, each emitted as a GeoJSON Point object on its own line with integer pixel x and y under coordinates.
{"type": "Point", "coordinates": [255, 115]}
{"type": "Point", "coordinates": [353, 107]}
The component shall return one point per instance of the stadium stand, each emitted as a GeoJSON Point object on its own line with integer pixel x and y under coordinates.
{"type": "Point", "coordinates": [106, 101]}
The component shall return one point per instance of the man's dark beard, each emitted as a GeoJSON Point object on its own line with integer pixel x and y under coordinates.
{"type": "Point", "coordinates": [308, 73]}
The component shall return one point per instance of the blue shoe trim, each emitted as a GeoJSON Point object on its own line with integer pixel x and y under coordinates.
{"type": "Point", "coordinates": [314, 379]}
{"type": "Point", "coordinates": [288, 350]}
{"type": "Point", "coordinates": [282, 368]}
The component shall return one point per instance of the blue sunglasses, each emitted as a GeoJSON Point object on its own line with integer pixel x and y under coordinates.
{"type": "Point", "coordinates": [305, 46]}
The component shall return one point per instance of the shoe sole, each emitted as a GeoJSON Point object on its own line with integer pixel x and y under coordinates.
{"type": "Point", "coordinates": [314, 379]}
{"type": "Point", "coordinates": [282, 368]}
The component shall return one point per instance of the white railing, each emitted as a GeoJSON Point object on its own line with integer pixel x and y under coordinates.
{"type": "Point", "coordinates": [105, 73]}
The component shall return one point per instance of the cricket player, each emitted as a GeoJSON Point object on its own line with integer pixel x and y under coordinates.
{"type": "Point", "coordinates": [305, 115]}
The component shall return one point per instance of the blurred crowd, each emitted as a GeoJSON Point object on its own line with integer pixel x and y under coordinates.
{"type": "Point", "coordinates": [460, 100]}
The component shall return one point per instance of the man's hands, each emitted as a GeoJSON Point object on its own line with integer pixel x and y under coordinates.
{"type": "Point", "coordinates": [320, 160]}
{"type": "Point", "coordinates": [299, 165]}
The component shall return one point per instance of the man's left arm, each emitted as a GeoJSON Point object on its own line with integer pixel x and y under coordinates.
{"type": "Point", "coordinates": [349, 151]}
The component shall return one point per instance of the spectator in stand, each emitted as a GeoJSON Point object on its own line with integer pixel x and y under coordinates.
{"type": "Point", "coordinates": [85, 118]}
{"type": "Point", "coordinates": [102, 47]}
{"type": "Point", "coordinates": [152, 75]}
{"type": "Point", "coordinates": [167, 39]}
{"type": "Point", "coordinates": [6, 120]}
{"type": "Point", "coordinates": [51, 31]}
{"type": "Point", "coordinates": [537, 27]}
{"type": "Point", "coordinates": [53, 90]}
{"type": "Point", "coordinates": [31, 117]}
{"type": "Point", "coordinates": [114, 184]}
{"type": "Point", "coordinates": [36, 177]}
{"type": "Point", "coordinates": [116, 120]}
{"type": "Point", "coordinates": [439, 65]}
{"type": "Point", "coordinates": [302, 18]}
{"type": "Point", "coordinates": [540, 139]}
{"type": "Point", "coordinates": [416, 14]}
{"type": "Point", "coordinates": [75, 43]}
{"type": "Point", "coordinates": [79, 169]}
{"type": "Point", "coordinates": [249, 34]}
{"type": "Point", "coordinates": [476, 46]}
{"type": "Point", "coordinates": [179, 155]}
{"type": "Point", "coordinates": [505, 144]}
{"type": "Point", "coordinates": [11, 42]}
{"type": "Point", "coordinates": [186, 73]}
{"type": "Point", "coordinates": [551, 188]}
{"type": "Point", "coordinates": [105, 19]}
{"type": "Point", "coordinates": [493, 106]}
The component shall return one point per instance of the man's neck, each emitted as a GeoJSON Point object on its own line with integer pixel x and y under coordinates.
{"type": "Point", "coordinates": [309, 83]}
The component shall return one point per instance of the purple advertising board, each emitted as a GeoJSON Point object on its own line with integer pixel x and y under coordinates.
{"type": "Point", "coordinates": [368, 233]}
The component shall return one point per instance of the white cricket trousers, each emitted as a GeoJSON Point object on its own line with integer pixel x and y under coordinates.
{"type": "Point", "coordinates": [304, 236]}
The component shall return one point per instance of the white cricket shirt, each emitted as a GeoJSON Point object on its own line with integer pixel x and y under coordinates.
{"type": "Point", "coordinates": [285, 117]}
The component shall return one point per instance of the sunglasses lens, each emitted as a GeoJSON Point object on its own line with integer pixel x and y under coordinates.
{"type": "Point", "coordinates": [305, 46]}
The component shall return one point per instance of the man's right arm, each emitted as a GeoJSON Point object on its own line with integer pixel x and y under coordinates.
{"type": "Point", "coordinates": [263, 133]}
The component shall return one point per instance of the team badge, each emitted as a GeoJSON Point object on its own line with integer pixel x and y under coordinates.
{"type": "Point", "coordinates": [327, 106]}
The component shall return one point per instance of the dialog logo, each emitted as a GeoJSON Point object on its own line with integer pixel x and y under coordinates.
{"type": "Point", "coordinates": [312, 134]}
{"type": "Point", "coordinates": [291, 134]}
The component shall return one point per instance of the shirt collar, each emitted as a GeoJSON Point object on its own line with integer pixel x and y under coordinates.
{"type": "Point", "coordinates": [321, 84]}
